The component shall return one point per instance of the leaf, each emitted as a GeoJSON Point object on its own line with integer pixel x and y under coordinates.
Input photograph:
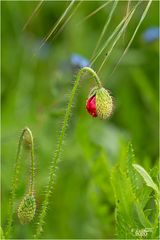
{"type": "Point", "coordinates": [132, 174]}
{"type": "Point", "coordinates": [132, 199]}
{"type": "Point", "coordinates": [129, 213]}
{"type": "Point", "coordinates": [142, 193]}
{"type": "Point", "coordinates": [148, 180]}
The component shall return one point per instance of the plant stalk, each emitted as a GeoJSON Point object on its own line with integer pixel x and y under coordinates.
{"type": "Point", "coordinates": [15, 178]}
{"type": "Point", "coordinates": [49, 187]}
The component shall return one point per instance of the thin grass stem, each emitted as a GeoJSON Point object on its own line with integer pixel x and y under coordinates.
{"type": "Point", "coordinates": [33, 14]}
{"type": "Point", "coordinates": [131, 40]}
{"type": "Point", "coordinates": [56, 25]}
{"type": "Point", "coordinates": [94, 12]}
{"type": "Point", "coordinates": [117, 29]}
{"type": "Point", "coordinates": [65, 23]}
{"type": "Point", "coordinates": [117, 38]}
{"type": "Point", "coordinates": [105, 27]}
{"type": "Point", "coordinates": [127, 11]}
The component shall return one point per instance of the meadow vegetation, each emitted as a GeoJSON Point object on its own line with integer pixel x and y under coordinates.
{"type": "Point", "coordinates": [106, 176]}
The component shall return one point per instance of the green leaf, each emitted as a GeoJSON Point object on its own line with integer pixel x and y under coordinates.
{"type": "Point", "coordinates": [142, 193]}
{"type": "Point", "coordinates": [148, 180]}
{"type": "Point", "coordinates": [133, 198]}
{"type": "Point", "coordinates": [129, 213]}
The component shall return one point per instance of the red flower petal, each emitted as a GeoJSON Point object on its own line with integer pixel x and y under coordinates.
{"type": "Point", "coordinates": [91, 106]}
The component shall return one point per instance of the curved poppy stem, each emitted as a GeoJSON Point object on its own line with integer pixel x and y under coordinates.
{"type": "Point", "coordinates": [51, 182]}
{"type": "Point", "coordinates": [16, 175]}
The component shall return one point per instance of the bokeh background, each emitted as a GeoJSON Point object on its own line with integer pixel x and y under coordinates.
{"type": "Point", "coordinates": [35, 89]}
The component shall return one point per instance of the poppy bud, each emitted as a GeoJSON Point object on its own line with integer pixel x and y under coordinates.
{"type": "Point", "coordinates": [27, 208]}
{"type": "Point", "coordinates": [100, 103]}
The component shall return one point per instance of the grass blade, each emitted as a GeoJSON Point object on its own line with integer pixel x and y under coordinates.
{"type": "Point", "coordinates": [131, 40]}
{"type": "Point", "coordinates": [94, 12]}
{"type": "Point", "coordinates": [105, 27]}
{"type": "Point", "coordinates": [33, 14]}
{"type": "Point", "coordinates": [127, 11]}
{"type": "Point", "coordinates": [118, 37]}
{"type": "Point", "coordinates": [57, 24]}
{"type": "Point", "coordinates": [65, 23]}
{"type": "Point", "coordinates": [117, 29]}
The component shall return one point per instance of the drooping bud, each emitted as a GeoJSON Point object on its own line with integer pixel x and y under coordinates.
{"type": "Point", "coordinates": [100, 103]}
{"type": "Point", "coordinates": [27, 208]}
{"type": "Point", "coordinates": [104, 103]}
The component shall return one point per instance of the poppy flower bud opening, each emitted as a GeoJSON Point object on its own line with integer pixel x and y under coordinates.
{"type": "Point", "coordinates": [91, 106]}
{"type": "Point", "coordinates": [100, 103]}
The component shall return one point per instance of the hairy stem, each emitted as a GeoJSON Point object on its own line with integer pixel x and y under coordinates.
{"type": "Point", "coordinates": [16, 175]}
{"type": "Point", "coordinates": [59, 147]}
{"type": "Point", "coordinates": [32, 169]}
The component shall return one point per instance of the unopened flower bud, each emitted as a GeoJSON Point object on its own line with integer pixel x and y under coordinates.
{"type": "Point", "coordinates": [100, 103]}
{"type": "Point", "coordinates": [27, 208]}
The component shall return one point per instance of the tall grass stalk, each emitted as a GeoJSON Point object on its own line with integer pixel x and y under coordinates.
{"type": "Point", "coordinates": [105, 27]}
{"type": "Point", "coordinates": [116, 39]}
{"type": "Point", "coordinates": [57, 24]}
{"type": "Point", "coordinates": [68, 19]}
{"type": "Point", "coordinates": [33, 14]}
{"type": "Point", "coordinates": [131, 40]}
{"type": "Point", "coordinates": [119, 29]}
{"type": "Point", "coordinates": [94, 12]}
{"type": "Point", "coordinates": [127, 11]}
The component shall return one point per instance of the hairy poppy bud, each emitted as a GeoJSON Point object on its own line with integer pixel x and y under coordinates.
{"type": "Point", "coordinates": [27, 208]}
{"type": "Point", "coordinates": [100, 103]}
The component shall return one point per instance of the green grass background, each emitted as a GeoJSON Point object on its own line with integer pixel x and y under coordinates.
{"type": "Point", "coordinates": [35, 91]}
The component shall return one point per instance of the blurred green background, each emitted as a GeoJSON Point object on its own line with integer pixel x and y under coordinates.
{"type": "Point", "coordinates": [35, 90]}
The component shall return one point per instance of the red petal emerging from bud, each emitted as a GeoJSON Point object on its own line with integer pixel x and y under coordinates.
{"type": "Point", "coordinates": [91, 106]}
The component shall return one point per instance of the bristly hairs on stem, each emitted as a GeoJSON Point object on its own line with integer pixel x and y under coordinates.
{"type": "Point", "coordinates": [25, 140]}
{"type": "Point", "coordinates": [55, 160]}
